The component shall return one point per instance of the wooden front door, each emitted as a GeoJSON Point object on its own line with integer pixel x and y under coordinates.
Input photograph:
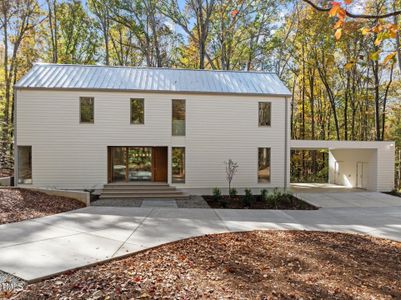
{"type": "Point", "coordinates": [159, 164]}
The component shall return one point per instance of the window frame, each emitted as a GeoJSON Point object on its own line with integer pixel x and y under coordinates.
{"type": "Point", "coordinates": [270, 116]}
{"type": "Point", "coordinates": [172, 117]}
{"type": "Point", "coordinates": [80, 110]}
{"type": "Point", "coordinates": [19, 161]}
{"type": "Point", "coordinates": [270, 166]}
{"type": "Point", "coordinates": [131, 111]}
{"type": "Point", "coordinates": [184, 163]}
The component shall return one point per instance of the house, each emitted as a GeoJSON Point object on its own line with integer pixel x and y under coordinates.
{"type": "Point", "coordinates": [80, 127]}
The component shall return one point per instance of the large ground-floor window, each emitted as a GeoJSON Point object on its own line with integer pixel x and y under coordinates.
{"type": "Point", "coordinates": [178, 164]}
{"type": "Point", "coordinates": [264, 165]}
{"type": "Point", "coordinates": [25, 164]}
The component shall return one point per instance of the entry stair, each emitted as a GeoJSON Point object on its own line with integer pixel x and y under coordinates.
{"type": "Point", "coordinates": [142, 190]}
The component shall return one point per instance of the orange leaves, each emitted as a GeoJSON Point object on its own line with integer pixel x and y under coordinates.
{"type": "Point", "coordinates": [349, 65]}
{"type": "Point", "coordinates": [338, 33]}
{"type": "Point", "coordinates": [389, 57]}
{"type": "Point", "coordinates": [348, 1]}
{"type": "Point", "coordinates": [234, 13]}
{"type": "Point", "coordinates": [339, 12]}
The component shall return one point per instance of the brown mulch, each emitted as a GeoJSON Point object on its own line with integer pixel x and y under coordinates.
{"type": "Point", "coordinates": [248, 265]}
{"type": "Point", "coordinates": [288, 202]}
{"type": "Point", "coordinates": [20, 204]}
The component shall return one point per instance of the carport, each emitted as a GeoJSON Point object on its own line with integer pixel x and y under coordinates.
{"type": "Point", "coordinates": [356, 164]}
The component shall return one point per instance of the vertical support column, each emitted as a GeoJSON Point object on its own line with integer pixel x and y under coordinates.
{"type": "Point", "coordinates": [286, 146]}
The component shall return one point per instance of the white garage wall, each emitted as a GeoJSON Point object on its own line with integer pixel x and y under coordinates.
{"type": "Point", "coordinates": [67, 154]}
{"type": "Point", "coordinates": [348, 159]}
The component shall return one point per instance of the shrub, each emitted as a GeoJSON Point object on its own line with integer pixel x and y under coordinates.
{"type": "Point", "coordinates": [217, 194]}
{"type": "Point", "coordinates": [248, 198]}
{"type": "Point", "coordinates": [263, 195]}
{"type": "Point", "coordinates": [233, 192]}
{"type": "Point", "coordinates": [277, 197]}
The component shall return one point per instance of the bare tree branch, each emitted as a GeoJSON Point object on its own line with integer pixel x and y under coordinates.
{"type": "Point", "coordinates": [351, 15]}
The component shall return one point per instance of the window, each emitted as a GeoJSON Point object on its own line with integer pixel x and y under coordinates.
{"type": "Point", "coordinates": [137, 111]}
{"type": "Point", "coordinates": [178, 164]}
{"type": "Point", "coordinates": [25, 164]}
{"type": "Point", "coordinates": [87, 109]}
{"type": "Point", "coordinates": [264, 113]}
{"type": "Point", "coordinates": [264, 165]}
{"type": "Point", "coordinates": [178, 107]}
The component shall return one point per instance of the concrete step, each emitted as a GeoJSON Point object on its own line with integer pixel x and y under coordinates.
{"type": "Point", "coordinates": [140, 192]}
{"type": "Point", "coordinates": [134, 184]}
{"type": "Point", "coordinates": [139, 188]}
{"type": "Point", "coordinates": [180, 196]}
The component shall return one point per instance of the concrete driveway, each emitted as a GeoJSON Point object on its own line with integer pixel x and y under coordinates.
{"type": "Point", "coordinates": [39, 248]}
{"type": "Point", "coordinates": [354, 199]}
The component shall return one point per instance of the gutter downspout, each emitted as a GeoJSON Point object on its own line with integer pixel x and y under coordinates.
{"type": "Point", "coordinates": [286, 145]}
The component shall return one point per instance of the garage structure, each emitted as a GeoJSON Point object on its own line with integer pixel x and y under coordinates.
{"type": "Point", "coordinates": [356, 164]}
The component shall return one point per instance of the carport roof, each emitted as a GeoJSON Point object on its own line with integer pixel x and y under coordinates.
{"type": "Point", "coordinates": [331, 145]}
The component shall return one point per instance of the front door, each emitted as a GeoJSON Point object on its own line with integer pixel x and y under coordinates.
{"type": "Point", "coordinates": [130, 164]}
{"type": "Point", "coordinates": [159, 164]}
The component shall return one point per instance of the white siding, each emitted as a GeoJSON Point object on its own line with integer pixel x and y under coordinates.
{"type": "Point", "coordinates": [67, 154]}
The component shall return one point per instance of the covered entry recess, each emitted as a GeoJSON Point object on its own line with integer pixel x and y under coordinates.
{"type": "Point", "coordinates": [356, 164]}
{"type": "Point", "coordinates": [137, 164]}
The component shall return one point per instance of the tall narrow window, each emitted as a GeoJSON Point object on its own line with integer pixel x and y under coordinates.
{"type": "Point", "coordinates": [178, 164]}
{"type": "Point", "coordinates": [264, 165]}
{"type": "Point", "coordinates": [178, 117]}
{"type": "Point", "coordinates": [137, 111]}
{"type": "Point", "coordinates": [87, 112]}
{"type": "Point", "coordinates": [25, 164]}
{"type": "Point", "coordinates": [264, 114]}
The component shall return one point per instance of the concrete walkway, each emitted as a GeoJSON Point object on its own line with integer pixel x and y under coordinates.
{"type": "Point", "coordinates": [39, 248]}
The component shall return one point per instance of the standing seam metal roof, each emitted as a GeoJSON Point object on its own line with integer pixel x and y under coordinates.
{"type": "Point", "coordinates": [56, 76]}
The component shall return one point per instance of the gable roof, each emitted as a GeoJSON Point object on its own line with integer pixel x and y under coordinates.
{"type": "Point", "coordinates": [80, 77]}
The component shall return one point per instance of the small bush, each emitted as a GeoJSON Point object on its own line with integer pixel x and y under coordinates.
{"type": "Point", "coordinates": [248, 198]}
{"type": "Point", "coordinates": [263, 195]}
{"type": "Point", "coordinates": [274, 199]}
{"type": "Point", "coordinates": [217, 194]}
{"type": "Point", "coordinates": [233, 192]}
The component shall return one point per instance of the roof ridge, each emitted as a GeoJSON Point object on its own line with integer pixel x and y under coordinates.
{"type": "Point", "coordinates": [155, 68]}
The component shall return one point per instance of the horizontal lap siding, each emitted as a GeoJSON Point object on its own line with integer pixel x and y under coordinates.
{"type": "Point", "coordinates": [67, 154]}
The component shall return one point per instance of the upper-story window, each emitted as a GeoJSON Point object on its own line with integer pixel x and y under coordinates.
{"type": "Point", "coordinates": [265, 113]}
{"type": "Point", "coordinates": [178, 117]}
{"type": "Point", "coordinates": [86, 108]}
{"type": "Point", "coordinates": [137, 111]}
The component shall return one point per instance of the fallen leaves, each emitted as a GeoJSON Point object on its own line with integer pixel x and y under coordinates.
{"type": "Point", "coordinates": [248, 265]}
{"type": "Point", "coordinates": [20, 204]}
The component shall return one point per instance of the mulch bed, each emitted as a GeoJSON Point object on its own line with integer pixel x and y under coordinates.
{"type": "Point", "coordinates": [237, 202]}
{"type": "Point", "coordinates": [20, 204]}
{"type": "Point", "coordinates": [248, 265]}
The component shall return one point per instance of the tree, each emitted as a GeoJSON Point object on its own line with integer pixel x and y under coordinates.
{"type": "Point", "coordinates": [17, 19]}
{"type": "Point", "coordinates": [231, 170]}
{"type": "Point", "coordinates": [197, 12]}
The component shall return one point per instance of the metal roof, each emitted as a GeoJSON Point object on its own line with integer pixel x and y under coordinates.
{"type": "Point", "coordinates": [56, 76]}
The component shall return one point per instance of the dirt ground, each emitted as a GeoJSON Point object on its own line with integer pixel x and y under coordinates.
{"type": "Point", "coordinates": [249, 265]}
{"type": "Point", "coordinates": [20, 204]}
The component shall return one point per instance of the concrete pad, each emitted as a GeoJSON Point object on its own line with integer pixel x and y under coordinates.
{"type": "Point", "coordinates": [355, 199]}
{"type": "Point", "coordinates": [27, 231]}
{"type": "Point", "coordinates": [159, 203]}
{"type": "Point", "coordinates": [36, 260]}
{"type": "Point", "coordinates": [95, 220]}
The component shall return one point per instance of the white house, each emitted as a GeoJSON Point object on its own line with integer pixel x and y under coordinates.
{"type": "Point", "coordinates": [80, 127]}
